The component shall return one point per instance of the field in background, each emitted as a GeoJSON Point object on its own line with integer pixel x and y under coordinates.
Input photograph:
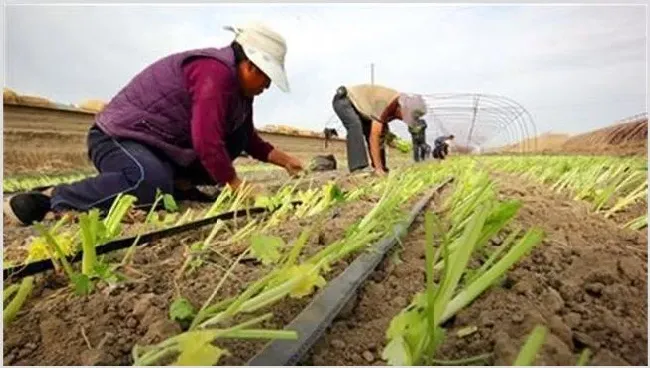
{"type": "Point", "coordinates": [44, 140]}
{"type": "Point", "coordinates": [625, 138]}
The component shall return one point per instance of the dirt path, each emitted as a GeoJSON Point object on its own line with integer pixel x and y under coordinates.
{"type": "Point", "coordinates": [586, 282]}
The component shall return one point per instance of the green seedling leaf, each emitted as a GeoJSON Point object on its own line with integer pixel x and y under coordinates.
{"type": "Point", "coordinates": [169, 203]}
{"type": "Point", "coordinates": [266, 248]}
{"type": "Point", "coordinates": [196, 247]}
{"type": "Point", "coordinates": [105, 272]}
{"type": "Point", "coordinates": [335, 193]}
{"type": "Point", "coordinates": [119, 208]}
{"type": "Point", "coordinates": [265, 201]}
{"type": "Point", "coordinates": [92, 232]}
{"type": "Point", "coordinates": [584, 357]}
{"type": "Point", "coordinates": [9, 291]}
{"type": "Point", "coordinates": [169, 219]}
{"type": "Point", "coordinates": [52, 243]}
{"type": "Point", "coordinates": [197, 350]}
{"type": "Point", "coordinates": [310, 279]}
{"type": "Point", "coordinates": [181, 310]}
{"type": "Point", "coordinates": [411, 327]}
{"type": "Point", "coordinates": [12, 309]}
{"type": "Point", "coordinates": [397, 352]}
{"type": "Point", "coordinates": [531, 239]}
{"type": "Point", "coordinates": [82, 284]}
{"type": "Point", "coordinates": [528, 352]}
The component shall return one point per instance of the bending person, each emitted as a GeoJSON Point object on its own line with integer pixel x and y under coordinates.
{"type": "Point", "coordinates": [441, 146]}
{"type": "Point", "coordinates": [179, 123]}
{"type": "Point", "coordinates": [365, 111]}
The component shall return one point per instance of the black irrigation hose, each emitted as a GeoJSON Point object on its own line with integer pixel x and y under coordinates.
{"type": "Point", "coordinates": [32, 268]}
{"type": "Point", "coordinates": [319, 314]}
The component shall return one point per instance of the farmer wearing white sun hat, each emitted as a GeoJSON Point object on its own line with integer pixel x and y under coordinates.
{"type": "Point", "coordinates": [178, 123]}
{"type": "Point", "coordinates": [264, 48]}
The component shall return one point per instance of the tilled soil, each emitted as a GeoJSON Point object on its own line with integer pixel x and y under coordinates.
{"type": "Point", "coordinates": [587, 282]}
{"type": "Point", "coordinates": [358, 337]}
{"type": "Point", "coordinates": [630, 213]}
{"type": "Point", "coordinates": [622, 217]}
{"type": "Point", "coordinates": [56, 327]}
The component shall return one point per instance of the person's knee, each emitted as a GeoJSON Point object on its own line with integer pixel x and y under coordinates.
{"type": "Point", "coordinates": [147, 183]}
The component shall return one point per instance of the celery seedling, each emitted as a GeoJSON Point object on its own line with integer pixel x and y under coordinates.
{"type": "Point", "coordinates": [92, 230]}
{"type": "Point", "coordinates": [528, 352]}
{"type": "Point", "coordinates": [25, 288]}
{"type": "Point", "coordinates": [584, 357]}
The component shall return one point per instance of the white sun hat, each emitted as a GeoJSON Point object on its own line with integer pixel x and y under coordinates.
{"type": "Point", "coordinates": [265, 48]}
{"type": "Point", "coordinates": [413, 107]}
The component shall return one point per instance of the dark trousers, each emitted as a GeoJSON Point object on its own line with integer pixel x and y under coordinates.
{"type": "Point", "coordinates": [125, 166]}
{"type": "Point", "coordinates": [440, 151]}
{"type": "Point", "coordinates": [419, 148]}
{"type": "Point", "coordinates": [358, 129]}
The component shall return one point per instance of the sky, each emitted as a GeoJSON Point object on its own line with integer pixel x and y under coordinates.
{"type": "Point", "coordinates": [573, 68]}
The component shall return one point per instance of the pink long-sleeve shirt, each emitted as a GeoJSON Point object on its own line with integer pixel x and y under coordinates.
{"type": "Point", "coordinates": [210, 85]}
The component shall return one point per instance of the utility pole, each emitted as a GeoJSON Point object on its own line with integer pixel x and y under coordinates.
{"type": "Point", "coordinates": [372, 73]}
{"type": "Point", "coordinates": [471, 128]}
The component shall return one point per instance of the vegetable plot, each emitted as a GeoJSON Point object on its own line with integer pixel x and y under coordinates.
{"type": "Point", "coordinates": [610, 185]}
{"type": "Point", "coordinates": [286, 268]}
{"type": "Point", "coordinates": [290, 276]}
{"type": "Point", "coordinates": [472, 216]}
{"type": "Point", "coordinates": [218, 295]}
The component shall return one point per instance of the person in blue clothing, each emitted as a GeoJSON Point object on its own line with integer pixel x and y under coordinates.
{"type": "Point", "coordinates": [441, 146]}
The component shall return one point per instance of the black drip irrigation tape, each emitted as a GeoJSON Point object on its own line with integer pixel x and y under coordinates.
{"type": "Point", "coordinates": [312, 322]}
{"type": "Point", "coordinates": [33, 268]}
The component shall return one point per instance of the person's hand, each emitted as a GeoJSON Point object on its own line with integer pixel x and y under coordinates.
{"type": "Point", "coordinates": [293, 166]}
{"type": "Point", "coordinates": [282, 159]}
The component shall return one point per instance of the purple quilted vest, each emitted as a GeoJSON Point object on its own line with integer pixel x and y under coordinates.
{"type": "Point", "coordinates": [155, 106]}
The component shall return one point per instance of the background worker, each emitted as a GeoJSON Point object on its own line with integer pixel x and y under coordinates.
{"type": "Point", "coordinates": [179, 123]}
{"type": "Point", "coordinates": [365, 111]}
{"type": "Point", "coordinates": [329, 133]}
{"type": "Point", "coordinates": [441, 146]}
{"type": "Point", "coordinates": [418, 139]}
{"type": "Point", "coordinates": [427, 150]}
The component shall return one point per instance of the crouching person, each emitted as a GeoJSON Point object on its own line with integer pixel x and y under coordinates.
{"type": "Point", "coordinates": [441, 146]}
{"type": "Point", "coordinates": [179, 123]}
{"type": "Point", "coordinates": [365, 111]}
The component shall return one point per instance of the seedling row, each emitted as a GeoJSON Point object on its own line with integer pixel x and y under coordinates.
{"type": "Point", "coordinates": [231, 289]}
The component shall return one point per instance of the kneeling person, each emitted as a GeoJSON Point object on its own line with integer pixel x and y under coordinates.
{"type": "Point", "coordinates": [179, 123]}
